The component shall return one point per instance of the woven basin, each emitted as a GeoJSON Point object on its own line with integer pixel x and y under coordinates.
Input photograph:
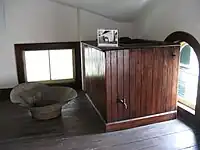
{"type": "Point", "coordinates": [45, 110]}
{"type": "Point", "coordinates": [44, 102]}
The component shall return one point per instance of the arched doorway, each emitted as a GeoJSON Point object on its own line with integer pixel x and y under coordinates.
{"type": "Point", "coordinates": [189, 67]}
{"type": "Point", "coordinates": [188, 76]}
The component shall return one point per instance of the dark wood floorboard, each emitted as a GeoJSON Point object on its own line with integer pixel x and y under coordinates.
{"type": "Point", "coordinates": [171, 135]}
{"type": "Point", "coordinates": [78, 118]}
{"type": "Point", "coordinates": [80, 128]}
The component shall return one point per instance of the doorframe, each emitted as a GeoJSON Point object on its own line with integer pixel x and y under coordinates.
{"type": "Point", "coordinates": [177, 37]}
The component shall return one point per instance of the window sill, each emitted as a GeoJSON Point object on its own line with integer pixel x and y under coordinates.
{"type": "Point", "coordinates": [186, 108]}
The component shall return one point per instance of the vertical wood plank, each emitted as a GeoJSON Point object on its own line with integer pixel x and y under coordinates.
{"type": "Point", "coordinates": [176, 51]}
{"type": "Point", "coordinates": [102, 82]}
{"type": "Point", "coordinates": [85, 68]}
{"type": "Point", "coordinates": [120, 82]}
{"type": "Point", "coordinates": [127, 83]}
{"type": "Point", "coordinates": [108, 86]}
{"type": "Point", "coordinates": [114, 84]}
{"type": "Point", "coordinates": [165, 83]}
{"type": "Point", "coordinates": [133, 55]}
{"type": "Point", "coordinates": [155, 81]}
{"type": "Point", "coordinates": [88, 68]}
{"type": "Point", "coordinates": [91, 74]}
{"type": "Point", "coordinates": [148, 80]}
{"type": "Point", "coordinates": [138, 82]}
{"type": "Point", "coordinates": [160, 100]}
{"type": "Point", "coordinates": [143, 106]}
{"type": "Point", "coordinates": [170, 79]}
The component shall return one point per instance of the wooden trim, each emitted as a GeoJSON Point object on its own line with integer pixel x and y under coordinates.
{"type": "Point", "coordinates": [49, 46]}
{"type": "Point", "coordinates": [178, 37]}
{"type": "Point", "coordinates": [141, 121]}
{"type": "Point", "coordinates": [186, 103]}
{"type": "Point", "coordinates": [82, 53]}
{"type": "Point", "coordinates": [132, 46]}
{"type": "Point", "coordinates": [186, 108]}
{"type": "Point", "coordinates": [20, 48]}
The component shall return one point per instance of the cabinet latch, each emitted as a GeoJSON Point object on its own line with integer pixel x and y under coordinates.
{"type": "Point", "coordinates": [123, 101]}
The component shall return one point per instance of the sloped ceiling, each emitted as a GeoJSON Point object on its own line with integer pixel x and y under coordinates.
{"type": "Point", "coordinates": [118, 10]}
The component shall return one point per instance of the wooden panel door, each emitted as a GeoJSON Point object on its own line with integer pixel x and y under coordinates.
{"type": "Point", "coordinates": [153, 80]}
{"type": "Point", "coordinates": [123, 85]}
{"type": "Point", "coordinates": [141, 82]}
{"type": "Point", "coordinates": [117, 85]}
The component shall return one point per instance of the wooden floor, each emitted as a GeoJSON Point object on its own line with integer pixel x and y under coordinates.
{"type": "Point", "coordinates": [78, 118]}
{"type": "Point", "coordinates": [80, 129]}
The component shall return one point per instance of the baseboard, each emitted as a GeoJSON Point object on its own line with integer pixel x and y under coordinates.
{"type": "Point", "coordinates": [131, 123]}
{"type": "Point", "coordinates": [5, 94]}
{"type": "Point", "coordinates": [101, 117]}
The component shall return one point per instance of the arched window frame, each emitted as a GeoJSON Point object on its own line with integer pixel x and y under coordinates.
{"type": "Point", "coordinates": [181, 99]}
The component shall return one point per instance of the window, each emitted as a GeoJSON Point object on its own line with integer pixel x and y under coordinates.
{"type": "Point", "coordinates": [188, 76]}
{"type": "Point", "coordinates": [49, 65]}
{"type": "Point", "coordinates": [37, 65]}
{"type": "Point", "coordinates": [185, 55]}
{"type": "Point", "coordinates": [61, 64]}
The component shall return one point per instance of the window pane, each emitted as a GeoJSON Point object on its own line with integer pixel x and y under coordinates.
{"type": "Point", "coordinates": [37, 65]}
{"type": "Point", "coordinates": [61, 64]}
{"type": "Point", "coordinates": [187, 86]}
{"type": "Point", "coordinates": [185, 55]}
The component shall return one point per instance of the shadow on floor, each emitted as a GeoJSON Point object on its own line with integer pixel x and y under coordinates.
{"type": "Point", "coordinates": [194, 126]}
{"type": "Point", "coordinates": [78, 118]}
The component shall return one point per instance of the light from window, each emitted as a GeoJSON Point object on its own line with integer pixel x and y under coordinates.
{"type": "Point", "coordinates": [37, 66]}
{"type": "Point", "coordinates": [61, 62]}
{"type": "Point", "coordinates": [45, 65]}
{"type": "Point", "coordinates": [188, 76]}
{"type": "Point", "coordinates": [185, 55]}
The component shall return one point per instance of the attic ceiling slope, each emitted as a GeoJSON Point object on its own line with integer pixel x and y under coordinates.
{"type": "Point", "coordinates": [118, 10]}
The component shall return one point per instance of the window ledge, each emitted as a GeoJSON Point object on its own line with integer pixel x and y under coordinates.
{"type": "Point", "coordinates": [186, 108]}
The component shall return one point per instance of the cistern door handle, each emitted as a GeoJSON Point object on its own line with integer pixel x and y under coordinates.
{"type": "Point", "coordinates": [123, 101]}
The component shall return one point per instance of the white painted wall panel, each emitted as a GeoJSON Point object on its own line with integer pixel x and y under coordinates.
{"type": "Point", "coordinates": [30, 21]}
{"type": "Point", "coordinates": [2, 17]}
{"type": "Point", "coordinates": [89, 23]}
{"type": "Point", "coordinates": [164, 17]}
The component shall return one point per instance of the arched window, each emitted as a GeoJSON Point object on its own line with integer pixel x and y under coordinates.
{"type": "Point", "coordinates": [188, 76]}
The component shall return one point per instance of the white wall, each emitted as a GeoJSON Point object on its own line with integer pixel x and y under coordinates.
{"type": "Point", "coordinates": [40, 21]}
{"type": "Point", "coordinates": [30, 21]}
{"type": "Point", "coordinates": [163, 17]}
{"type": "Point", "coordinates": [2, 22]}
{"type": "Point", "coordinates": [89, 23]}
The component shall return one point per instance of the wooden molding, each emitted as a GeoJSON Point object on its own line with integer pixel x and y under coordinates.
{"type": "Point", "coordinates": [126, 124]}
{"type": "Point", "coordinates": [177, 37]}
